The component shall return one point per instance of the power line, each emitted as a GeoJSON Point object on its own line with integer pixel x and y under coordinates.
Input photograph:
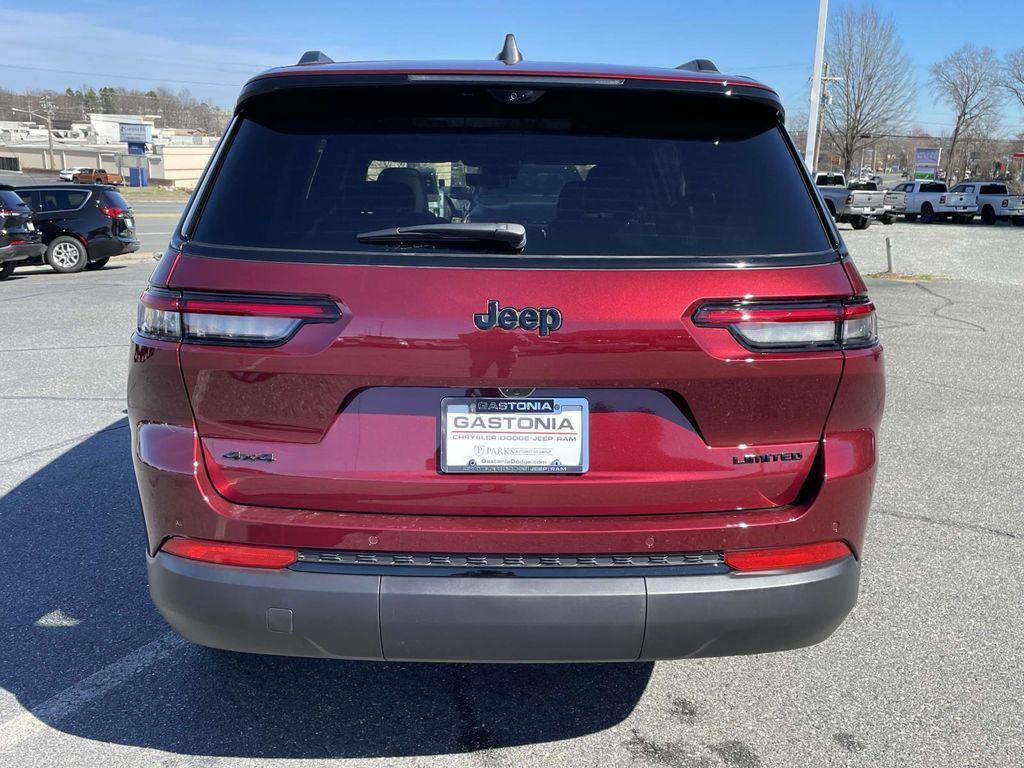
{"type": "Point", "coordinates": [120, 77]}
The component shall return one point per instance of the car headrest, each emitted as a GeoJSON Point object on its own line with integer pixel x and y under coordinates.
{"type": "Point", "coordinates": [412, 180]}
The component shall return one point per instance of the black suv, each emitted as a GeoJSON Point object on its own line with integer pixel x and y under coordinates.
{"type": "Point", "coordinates": [82, 225]}
{"type": "Point", "coordinates": [19, 238]}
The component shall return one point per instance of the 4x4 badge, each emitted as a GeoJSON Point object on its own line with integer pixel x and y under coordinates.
{"type": "Point", "coordinates": [236, 456]}
{"type": "Point", "coordinates": [544, 320]}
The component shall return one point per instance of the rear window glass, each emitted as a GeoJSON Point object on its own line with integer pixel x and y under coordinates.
{"type": "Point", "coordinates": [933, 187]}
{"type": "Point", "coordinates": [115, 199]}
{"type": "Point", "coordinates": [10, 200]}
{"type": "Point", "coordinates": [675, 179]}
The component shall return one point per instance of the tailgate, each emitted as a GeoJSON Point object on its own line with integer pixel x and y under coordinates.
{"type": "Point", "coordinates": [351, 412]}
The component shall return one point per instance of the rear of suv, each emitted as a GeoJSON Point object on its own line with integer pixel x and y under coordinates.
{"type": "Point", "coordinates": [83, 225]}
{"type": "Point", "coordinates": [19, 238]}
{"type": "Point", "coordinates": [596, 409]}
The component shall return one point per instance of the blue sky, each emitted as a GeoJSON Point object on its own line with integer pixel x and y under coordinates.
{"type": "Point", "coordinates": [211, 48]}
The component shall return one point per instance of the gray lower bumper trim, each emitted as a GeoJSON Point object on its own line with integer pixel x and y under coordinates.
{"type": "Point", "coordinates": [494, 619]}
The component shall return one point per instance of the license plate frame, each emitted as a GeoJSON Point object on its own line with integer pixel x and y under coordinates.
{"type": "Point", "coordinates": [567, 457]}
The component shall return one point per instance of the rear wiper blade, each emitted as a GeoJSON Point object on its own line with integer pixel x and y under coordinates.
{"type": "Point", "coordinates": [501, 237]}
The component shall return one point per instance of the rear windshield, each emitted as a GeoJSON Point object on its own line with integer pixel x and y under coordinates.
{"type": "Point", "coordinates": [11, 201]}
{"type": "Point", "coordinates": [116, 199]}
{"type": "Point", "coordinates": [625, 175]}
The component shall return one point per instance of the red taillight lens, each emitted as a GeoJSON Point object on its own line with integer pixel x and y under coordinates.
{"type": "Point", "coordinates": [227, 318]}
{"type": "Point", "coordinates": [222, 553]}
{"type": "Point", "coordinates": [112, 211]}
{"type": "Point", "coordinates": [794, 326]}
{"type": "Point", "coordinates": [787, 557]}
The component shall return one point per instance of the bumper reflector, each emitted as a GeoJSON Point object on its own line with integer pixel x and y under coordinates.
{"type": "Point", "coordinates": [787, 557]}
{"type": "Point", "coordinates": [223, 553]}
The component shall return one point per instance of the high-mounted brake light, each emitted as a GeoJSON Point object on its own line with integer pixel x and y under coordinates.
{"type": "Point", "coordinates": [223, 553]}
{"type": "Point", "coordinates": [796, 325]}
{"type": "Point", "coordinates": [787, 557]}
{"type": "Point", "coordinates": [210, 318]}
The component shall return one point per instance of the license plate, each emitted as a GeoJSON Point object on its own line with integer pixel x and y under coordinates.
{"type": "Point", "coordinates": [129, 223]}
{"type": "Point", "coordinates": [532, 435]}
{"type": "Point", "coordinates": [30, 226]}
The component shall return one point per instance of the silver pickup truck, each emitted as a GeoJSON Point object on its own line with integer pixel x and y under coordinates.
{"type": "Point", "coordinates": [857, 203]}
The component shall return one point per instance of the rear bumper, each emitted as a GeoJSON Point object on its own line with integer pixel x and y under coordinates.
{"type": "Point", "coordinates": [21, 252]}
{"type": "Point", "coordinates": [494, 619]}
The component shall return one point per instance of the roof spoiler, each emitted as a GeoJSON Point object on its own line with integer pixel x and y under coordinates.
{"type": "Point", "coordinates": [315, 57]}
{"type": "Point", "coordinates": [699, 65]}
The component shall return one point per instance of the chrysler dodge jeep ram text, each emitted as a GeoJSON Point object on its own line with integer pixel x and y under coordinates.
{"type": "Point", "coordinates": [588, 406]}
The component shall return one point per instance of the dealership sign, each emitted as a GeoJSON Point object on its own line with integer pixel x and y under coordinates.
{"type": "Point", "coordinates": [926, 162]}
{"type": "Point", "coordinates": [137, 133]}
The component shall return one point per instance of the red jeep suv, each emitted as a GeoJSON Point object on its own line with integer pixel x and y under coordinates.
{"type": "Point", "coordinates": [504, 361]}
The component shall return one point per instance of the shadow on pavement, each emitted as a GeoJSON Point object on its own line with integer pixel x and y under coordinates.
{"type": "Point", "coordinates": [77, 603]}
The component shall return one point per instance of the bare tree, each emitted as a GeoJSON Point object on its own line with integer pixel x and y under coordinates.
{"type": "Point", "coordinates": [968, 81]}
{"type": "Point", "coordinates": [874, 86]}
{"type": "Point", "coordinates": [1013, 74]}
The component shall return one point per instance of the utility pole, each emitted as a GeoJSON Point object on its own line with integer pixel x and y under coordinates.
{"type": "Point", "coordinates": [47, 114]}
{"type": "Point", "coordinates": [825, 80]}
{"type": "Point", "coordinates": [811, 150]}
{"type": "Point", "coordinates": [47, 106]}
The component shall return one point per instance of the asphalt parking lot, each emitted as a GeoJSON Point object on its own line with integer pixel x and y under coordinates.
{"type": "Point", "coordinates": [927, 671]}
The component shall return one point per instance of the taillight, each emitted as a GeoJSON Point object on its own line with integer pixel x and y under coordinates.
{"type": "Point", "coordinates": [942, 200]}
{"type": "Point", "coordinates": [113, 211]}
{"type": "Point", "coordinates": [223, 553]}
{"type": "Point", "coordinates": [778, 558]}
{"type": "Point", "coordinates": [210, 318]}
{"type": "Point", "coordinates": [794, 326]}
{"type": "Point", "coordinates": [849, 199]}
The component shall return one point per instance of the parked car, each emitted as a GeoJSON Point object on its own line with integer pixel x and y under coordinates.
{"type": "Point", "coordinates": [362, 430]}
{"type": "Point", "coordinates": [19, 238]}
{"type": "Point", "coordinates": [994, 202]}
{"type": "Point", "coordinates": [83, 226]}
{"type": "Point", "coordinates": [930, 200]}
{"type": "Point", "coordinates": [96, 176]}
{"type": "Point", "coordinates": [68, 174]}
{"type": "Point", "coordinates": [856, 205]}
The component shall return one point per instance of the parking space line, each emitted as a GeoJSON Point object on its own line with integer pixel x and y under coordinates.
{"type": "Point", "coordinates": [69, 701]}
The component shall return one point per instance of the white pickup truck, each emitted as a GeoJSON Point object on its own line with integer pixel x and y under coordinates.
{"type": "Point", "coordinates": [857, 204]}
{"type": "Point", "coordinates": [994, 202]}
{"type": "Point", "coordinates": [930, 200]}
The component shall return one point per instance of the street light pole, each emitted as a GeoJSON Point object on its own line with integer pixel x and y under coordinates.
{"type": "Point", "coordinates": [811, 150]}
